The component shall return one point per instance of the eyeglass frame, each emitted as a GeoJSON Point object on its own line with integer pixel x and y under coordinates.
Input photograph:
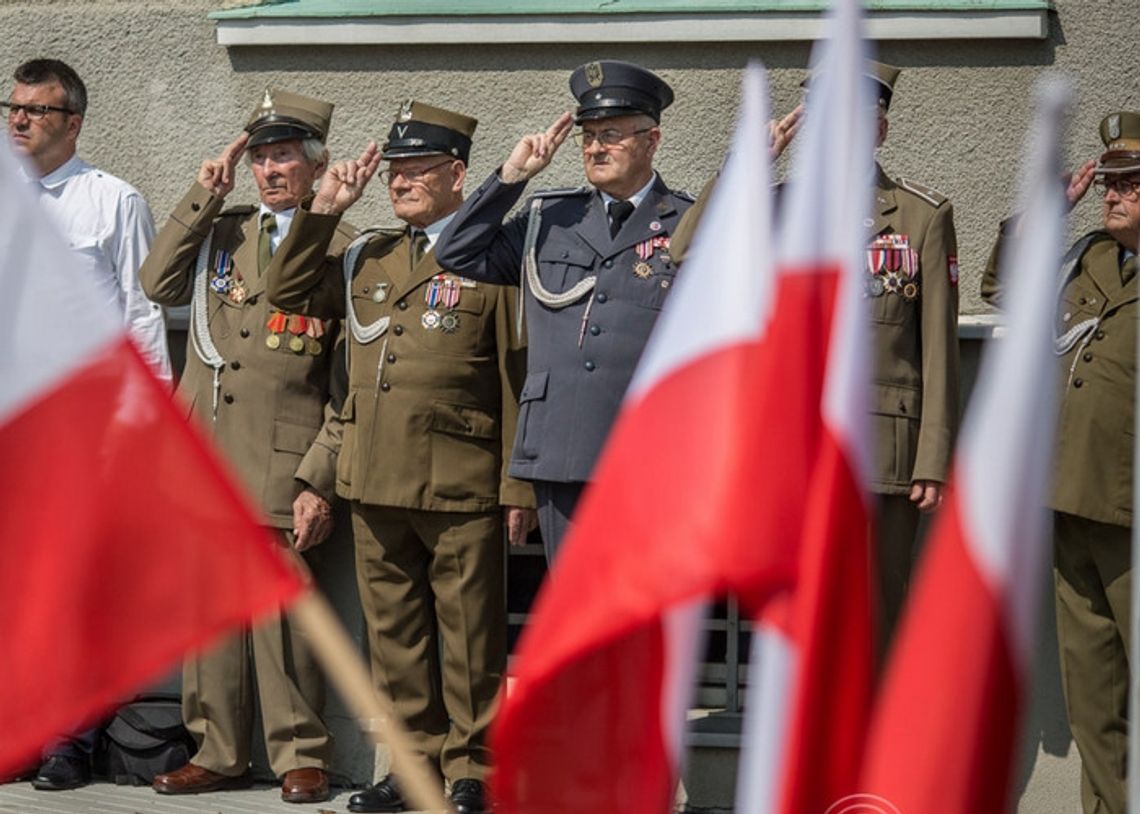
{"type": "Point", "coordinates": [34, 112]}
{"type": "Point", "coordinates": [1103, 185]}
{"type": "Point", "coordinates": [584, 138]}
{"type": "Point", "coordinates": [387, 175]}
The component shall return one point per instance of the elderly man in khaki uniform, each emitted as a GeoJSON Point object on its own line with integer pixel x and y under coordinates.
{"type": "Point", "coordinates": [435, 366]}
{"type": "Point", "coordinates": [912, 291]}
{"type": "Point", "coordinates": [257, 381]}
{"type": "Point", "coordinates": [1095, 343]}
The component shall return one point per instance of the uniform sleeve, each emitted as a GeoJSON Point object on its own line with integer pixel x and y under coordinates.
{"type": "Point", "coordinates": [939, 299]}
{"type": "Point", "coordinates": [167, 274]}
{"type": "Point", "coordinates": [511, 347]}
{"type": "Point", "coordinates": [133, 238]}
{"type": "Point", "coordinates": [317, 469]}
{"type": "Point", "coordinates": [306, 276]}
{"type": "Point", "coordinates": [477, 244]}
{"type": "Point", "coordinates": [992, 292]}
{"type": "Point", "coordinates": [683, 237]}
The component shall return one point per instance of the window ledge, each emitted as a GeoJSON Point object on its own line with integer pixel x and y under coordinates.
{"type": "Point", "coordinates": [400, 22]}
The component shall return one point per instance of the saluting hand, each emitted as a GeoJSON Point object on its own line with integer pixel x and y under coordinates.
{"type": "Point", "coordinates": [1077, 183]}
{"type": "Point", "coordinates": [343, 183]}
{"type": "Point", "coordinates": [312, 520]}
{"type": "Point", "coordinates": [781, 133]}
{"type": "Point", "coordinates": [535, 150]}
{"type": "Point", "coordinates": [217, 174]}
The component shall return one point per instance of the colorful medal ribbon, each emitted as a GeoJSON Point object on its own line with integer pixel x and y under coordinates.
{"type": "Point", "coordinates": [277, 322]}
{"type": "Point", "coordinates": [222, 280]}
{"type": "Point", "coordinates": [434, 291]}
{"type": "Point", "coordinates": [451, 292]}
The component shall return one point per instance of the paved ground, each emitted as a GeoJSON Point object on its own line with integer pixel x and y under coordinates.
{"type": "Point", "coordinates": [106, 798]}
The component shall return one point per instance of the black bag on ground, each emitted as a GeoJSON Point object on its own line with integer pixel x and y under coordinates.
{"type": "Point", "coordinates": [145, 738]}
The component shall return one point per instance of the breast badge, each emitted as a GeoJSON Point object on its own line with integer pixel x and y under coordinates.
{"type": "Point", "coordinates": [892, 267]}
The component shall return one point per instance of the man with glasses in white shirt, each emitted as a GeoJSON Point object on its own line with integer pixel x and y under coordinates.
{"type": "Point", "coordinates": [105, 220]}
{"type": "Point", "coordinates": [597, 268]}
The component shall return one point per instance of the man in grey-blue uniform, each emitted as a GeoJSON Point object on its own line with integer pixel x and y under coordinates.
{"type": "Point", "coordinates": [597, 270]}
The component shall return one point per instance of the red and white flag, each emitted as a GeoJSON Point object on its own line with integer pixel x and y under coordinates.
{"type": "Point", "coordinates": [696, 495]}
{"type": "Point", "coordinates": [813, 648]}
{"type": "Point", "coordinates": [124, 546]}
{"type": "Point", "coordinates": [946, 723]}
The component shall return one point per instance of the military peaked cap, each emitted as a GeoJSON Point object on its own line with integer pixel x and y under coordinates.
{"type": "Point", "coordinates": [282, 115]}
{"type": "Point", "coordinates": [610, 88]}
{"type": "Point", "coordinates": [425, 130]}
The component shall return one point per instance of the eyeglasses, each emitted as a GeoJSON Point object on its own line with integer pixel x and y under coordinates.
{"type": "Point", "coordinates": [607, 138]}
{"type": "Point", "coordinates": [1126, 189]}
{"type": "Point", "coordinates": [411, 176]}
{"type": "Point", "coordinates": [32, 111]}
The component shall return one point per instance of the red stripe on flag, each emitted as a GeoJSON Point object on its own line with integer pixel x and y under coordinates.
{"type": "Point", "coordinates": [944, 729]}
{"type": "Point", "coordinates": [125, 546]}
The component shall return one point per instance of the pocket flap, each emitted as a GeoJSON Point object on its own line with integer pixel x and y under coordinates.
{"type": "Point", "coordinates": [534, 388]}
{"type": "Point", "coordinates": [457, 419]}
{"type": "Point", "coordinates": [889, 399]}
{"type": "Point", "coordinates": [569, 254]}
{"type": "Point", "coordinates": [292, 437]}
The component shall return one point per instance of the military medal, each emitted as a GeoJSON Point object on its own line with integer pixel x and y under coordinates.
{"type": "Point", "coordinates": [642, 269]}
{"type": "Point", "coordinates": [276, 324]}
{"type": "Point", "coordinates": [297, 344]}
{"type": "Point", "coordinates": [451, 293]}
{"type": "Point", "coordinates": [430, 319]}
{"type": "Point", "coordinates": [273, 341]}
{"type": "Point", "coordinates": [297, 325]}
{"type": "Point", "coordinates": [449, 322]}
{"type": "Point", "coordinates": [380, 293]}
{"type": "Point", "coordinates": [223, 277]}
{"type": "Point", "coordinates": [313, 346]}
{"type": "Point", "coordinates": [910, 291]}
{"type": "Point", "coordinates": [875, 287]}
{"type": "Point", "coordinates": [892, 282]}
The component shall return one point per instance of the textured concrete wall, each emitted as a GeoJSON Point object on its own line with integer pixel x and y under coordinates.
{"type": "Point", "coordinates": [164, 95]}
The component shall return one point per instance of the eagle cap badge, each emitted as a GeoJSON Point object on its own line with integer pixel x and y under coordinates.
{"type": "Point", "coordinates": [594, 74]}
{"type": "Point", "coordinates": [405, 111]}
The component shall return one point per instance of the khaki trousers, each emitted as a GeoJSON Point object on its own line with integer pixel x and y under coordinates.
{"type": "Point", "coordinates": [218, 705]}
{"type": "Point", "coordinates": [895, 532]}
{"type": "Point", "coordinates": [433, 582]}
{"type": "Point", "coordinates": [1092, 575]}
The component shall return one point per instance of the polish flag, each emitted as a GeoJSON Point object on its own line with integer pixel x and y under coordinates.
{"type": "Point", "coordinates": [125, 546]}
{"type": "Point", "coordinates": [698, 494]}
{"type": "Point", "coordinates": [945, 729]}
{"type": "Point", "coordinates": [813, 647]}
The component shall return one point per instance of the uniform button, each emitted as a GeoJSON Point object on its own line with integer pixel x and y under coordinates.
{"type": "Point", "coordinates": [398, 330]}
{"type": "Point", "coordinates": [1084, 300]}
{"type": "Point", "coordinates": [1078, 382]}
{"type": "Point", "coordinates": [235, 364]}
{"type": "Point", "coordinates": [608, 264]}
{"type": "Point", "coordinates": [1067, 316]}
{"type": "Point", "coordinates": [391, 358]}
{"type": "Point", "coordinates": [589, 365]}
{"type": "Point", "coordinates": [602, 297]}
{"type": "Point", "coordinates": [195, 206]}
{"type": "Point", "coordinates": [364, 290]}
{"type": "Point", "coordinates": [403, 305]}
{"type": "Point", "coordinates": [595, 330]}
{"type": "Point", "coordinates": [244, 333]}
{"type": "Point", "coordinates": [252, 300]}
{"type": "Point", "coordinates": [1100, 334]}
{"type": "Point", "coordinates": [385, 387]}
{"type": "Point", "coordinates": [1087, 357]}
{"type": "Point", "coordinates": [228, 398]}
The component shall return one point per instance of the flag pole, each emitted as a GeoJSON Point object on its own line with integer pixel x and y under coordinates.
{"type": "Point", "coordinates": [342, 663]}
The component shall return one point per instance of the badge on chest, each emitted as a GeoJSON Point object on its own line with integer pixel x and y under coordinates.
{"type": "Point", "coordinates": [442, 297]}
{"type": "Point", "coordinates": [892, 267]}
{"type": "Point", "coordinates": [226, 281]}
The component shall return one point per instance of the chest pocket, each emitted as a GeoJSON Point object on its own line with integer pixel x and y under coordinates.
{"type": "Point", "coordinates": [561, 265]}
{"type": "Point", "coordinates": [651, 281]}
{"type": "Point", "coordinates": [1077, 311]}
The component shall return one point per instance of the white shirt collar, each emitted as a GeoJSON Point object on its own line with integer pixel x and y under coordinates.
{"type": "Point", "coordinates": [284, 221]}
{"type": "Point", "coordinates": [58, 176]}
{"type": "Point", "coordinates": [636, 198]}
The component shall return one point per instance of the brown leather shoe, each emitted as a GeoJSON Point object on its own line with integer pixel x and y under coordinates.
{"type": "Point", "coordinates": [191, 779]}
{"type": "Point", "coordinates": [308, 785]}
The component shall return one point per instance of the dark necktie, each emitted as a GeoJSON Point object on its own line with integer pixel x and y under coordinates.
{"type": "Point", "coordinates": [619, 214]}
{"type": "Point", "coordinates": [1128, 270]}
{"type": "Point", "coordinates": [264, 241]}
{"type": "Point", "coordinates": [420, 246]}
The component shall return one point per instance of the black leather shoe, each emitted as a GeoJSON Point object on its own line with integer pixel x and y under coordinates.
{"type": "Point", "coordinates": [469, 797]}
{"type": "Point", "coordinates": [384, 796]}
{"type": "Point", "coordinates": [61, 772]}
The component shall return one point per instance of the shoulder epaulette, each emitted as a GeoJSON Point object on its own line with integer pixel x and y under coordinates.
{"type": "Point", "coordinates": [684, 195]}
{"type": "Point", "coordinates": [931, 196]}
{"type": "Point", "coordinates": [243, 210]}
{"type": "Point", "coordinates": [565, 192]}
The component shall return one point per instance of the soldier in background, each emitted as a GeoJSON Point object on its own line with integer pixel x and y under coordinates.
{"type": "Point", "coordinates": [257, 380]}
{"type": "Point", "coordinates": [598, 269]}
{"type": "Point", "coordinates": [436, 363]}
{"type": "Point", "coordinates": [1095, 342]}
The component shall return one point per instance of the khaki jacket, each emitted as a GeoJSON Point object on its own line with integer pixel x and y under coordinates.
{"type": "Point", "coordinates": [431, 411]}
{"type": "Point", "coordinates": [914, 313]}
{"type": "Point", "coordinates": [1095, 342]}
{"type": "Point", "coordinates": [270, 401]}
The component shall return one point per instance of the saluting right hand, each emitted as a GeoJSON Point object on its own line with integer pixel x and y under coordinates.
{"type": "Point", "coordinates": [217, 174]}
{"type": "Point", "coordinates": [535, 150]}
{"type": "Point", "coordinates": [343, 183]}
{"type": "Point", "coordinates": [1077, 183]}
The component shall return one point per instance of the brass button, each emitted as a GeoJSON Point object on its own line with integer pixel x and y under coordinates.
{"type": "Point", "coordinates": [385, 387]}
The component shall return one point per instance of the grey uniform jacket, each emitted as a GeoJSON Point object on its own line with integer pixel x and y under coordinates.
{"type": "Point", "coordinates": [581, 357]}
